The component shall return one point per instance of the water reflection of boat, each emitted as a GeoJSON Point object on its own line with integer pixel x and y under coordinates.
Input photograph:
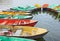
{"type": "Point", "coordinates": [49, 11]}
{"type": "Point", "coordinates": [53, 12]}
{"type": "Point", "coordinates": [26, 31]}
{"type": "Point", "coordinates": [40, 39]}
{"type": "Point", "coordinates": [21, 22]}
{"type": "Point", "coordinates": [4, 38]}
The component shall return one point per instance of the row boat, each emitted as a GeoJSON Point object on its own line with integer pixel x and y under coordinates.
{"type": "Point", "coordinates": [14, 13]}
{"type": "Point", "coordinates": [19, 8]}
{"type": "Point", "coordinates": [24, 31]}
{"type": "Point", "coordinates": [21, 17]}
{"type": "Point", "coordinates": [21, 22]}
{"type": "Point", "coordinates": [4, 38]}
{"type": "Point", "coordinates": [3, 16]}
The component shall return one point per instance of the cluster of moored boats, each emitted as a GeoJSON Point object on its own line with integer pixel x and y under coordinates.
{"type": "Point", "coordinates": [16, 22]}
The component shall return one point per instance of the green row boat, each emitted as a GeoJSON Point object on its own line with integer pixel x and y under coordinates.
{"type": "Point", "coordinates": [4, 38]}
{"type": "Point", "coordinates": [52, 6]}
{"type": "Point", "coordinates": [21, 17]}
{"type": "Point", "coordinates": [15, 17]}
{"type": "Point", "coordinates": [3, 16]}
{"type": "Point", "coordinates": [22, 8]}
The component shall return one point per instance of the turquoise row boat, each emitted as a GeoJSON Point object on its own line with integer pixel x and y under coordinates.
{"type": "Point", "coordinates": [4, 38]}
{"type": "Point", "coordinates": [21, 17]}
{"type": "Point", "coordinates": [52, 6]}
{"type": "Point", "coordinates": [22, 8]}
{"type": "Point", "coordinates": [15, 17]}
{"type": "Point", "coordinates": [3, 16]}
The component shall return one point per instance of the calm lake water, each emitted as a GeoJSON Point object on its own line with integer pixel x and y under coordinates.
{"type": "Point", "coordinates": [49, 22]}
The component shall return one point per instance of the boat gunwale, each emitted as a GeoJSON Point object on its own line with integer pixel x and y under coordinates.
{"type": "Point", "coordinates": [31, 37]}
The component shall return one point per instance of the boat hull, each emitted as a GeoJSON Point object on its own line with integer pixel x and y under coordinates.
{"type": "Point", "coordinates": [14, 13]}
{"type": "Point", "coordinates": [4, 38]}
{"type": "Point", "coordinates": [22, 17]}
{"type": "Point", "coordinates": [31, 24]}
{"type": "Point", "coordinates": [19, 22]}
{"type": "Point", "coordinates": [31, 37]}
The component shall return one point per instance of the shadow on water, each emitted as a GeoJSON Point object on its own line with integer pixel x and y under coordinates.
{"type": "Point", "coordinates": [40, 39]}
{"type": "Point", "coordinates": [53, 13]}
{"type": "Point", "coordinates": [49, 20]}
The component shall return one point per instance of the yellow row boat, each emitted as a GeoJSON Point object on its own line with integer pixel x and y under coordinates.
{"type": "Point", "coordinates": [26, 31]}
{"type": "Point", "coordinates": [14, 13]}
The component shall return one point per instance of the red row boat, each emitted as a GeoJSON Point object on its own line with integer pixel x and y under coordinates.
{"type": "Point", "coordinates": [21, 22]}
